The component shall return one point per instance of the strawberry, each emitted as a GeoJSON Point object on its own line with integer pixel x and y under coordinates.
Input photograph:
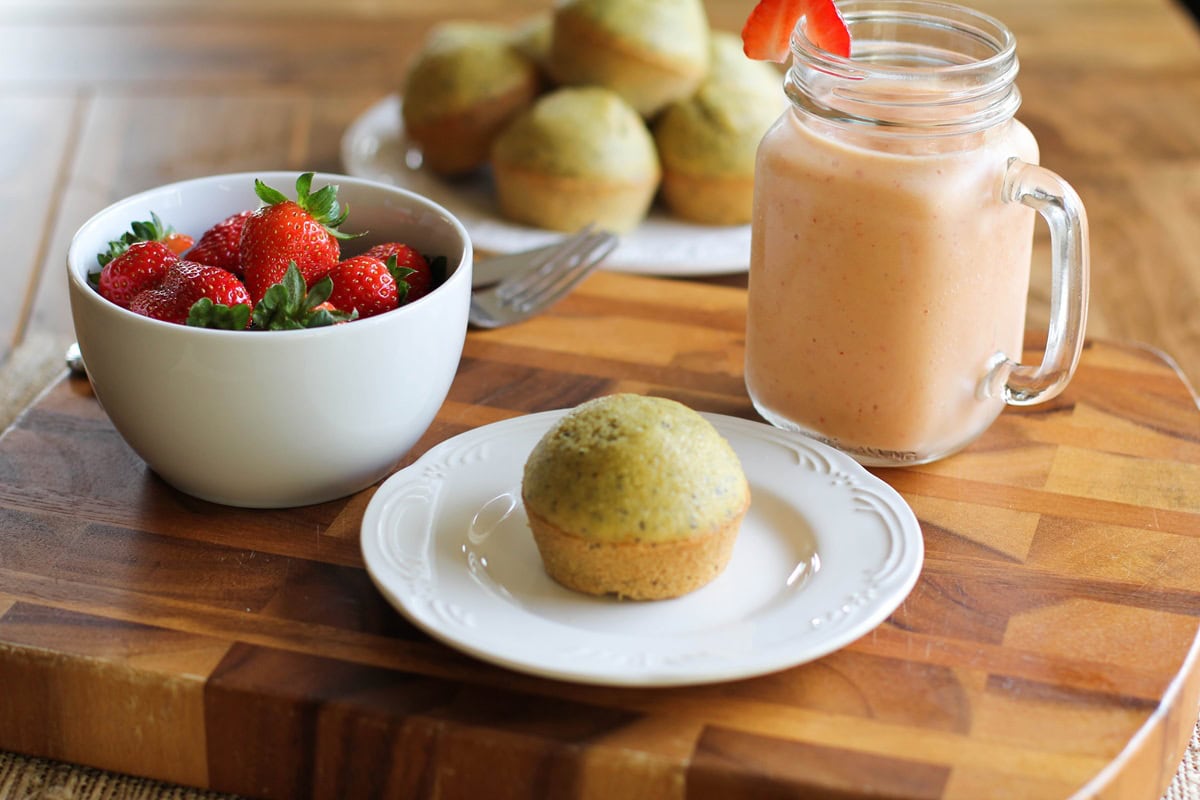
{"type": "Point", "coordinates": [178, 242]}
{"type": "Point", "coordinates": [219, 246]}
{"type": "Point", "coordinates": [364, 284]}
{"type": "Point", "coordinates": [196, 294]}
{"type": "Point", "coordinates": [152, 230]}
{"type": "Point", "coordinates": [419, 279]}
{"type": "Point", "coordinates": [303, 231]}
{"type": "Point", "coordinates": [140, 266]}
{"type": "Point", "coordinates": [767, 33]}
{"type": "Point", "coordinates": [162, 304]}
{"type": "Point", "coordinates": [291, 305]}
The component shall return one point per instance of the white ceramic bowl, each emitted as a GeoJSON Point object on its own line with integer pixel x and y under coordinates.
{"type": "Point", "coordinates": [281, 418]}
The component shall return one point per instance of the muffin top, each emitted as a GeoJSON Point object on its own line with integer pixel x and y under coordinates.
{"type": "Point", "coordinates": [660, 29]}
{"type": "Point", "coordinates": [632, 468]}
{"type": "Point", "coordinates": [463, 63]}
{"type": "Point", "coordinates": [580, 132]}
{"type": "Point", "coordinates": [716, 131]}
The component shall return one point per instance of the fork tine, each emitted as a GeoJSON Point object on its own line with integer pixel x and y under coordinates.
{"type": "Point", "coordinates": [544, 281]}
{"type": "Point", "coordinates": [553, 272]}
{"type": "Point", "coordinates": [568, 251]}
{"type": "Point", "coordinates": [557, 284]}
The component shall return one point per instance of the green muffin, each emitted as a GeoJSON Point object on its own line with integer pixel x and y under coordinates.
{"type": "Point", "coordinates": [465, 84]}
{"type": "Point", "coordinates": [577, 156]}
{"type": "Point", "coordinates": [635, 496]}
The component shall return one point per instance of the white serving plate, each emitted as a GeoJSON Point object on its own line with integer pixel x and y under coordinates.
{"type": "Point", "coordinates": [826, 552]}
{"type": "Point", "coordinates": [374, 146]}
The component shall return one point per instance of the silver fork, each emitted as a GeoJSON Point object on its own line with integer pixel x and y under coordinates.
{"type": "Point", "coordinates": [551, 273]}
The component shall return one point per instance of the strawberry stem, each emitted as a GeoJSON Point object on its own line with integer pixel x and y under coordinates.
{"type": "Point", "coordinates": [152, 230]}
{"type": "Point", "coordinates": [322, 205]}
{"type": "Point", "coordinates": [291, 305]}
{"type": "Point", "coordinates": [204, 313]}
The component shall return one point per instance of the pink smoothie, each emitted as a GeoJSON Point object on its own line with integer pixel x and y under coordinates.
{"type": "Point", "coordinates": [883, 284]}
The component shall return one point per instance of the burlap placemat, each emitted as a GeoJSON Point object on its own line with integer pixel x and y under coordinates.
{"type": "Point", "coordinates": [28, 371]}
{"type": "Point", "coordinates": [23, 778]}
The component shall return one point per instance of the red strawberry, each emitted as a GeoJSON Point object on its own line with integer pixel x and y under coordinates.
{"type": "Point", "coordinates": [152, 230]}
{"type": "Point", "coordinates": [141, 266]}
{"type": "Point", "coordinates": [303, 231]}
{"type": "Point", "coordinates": [364, 284]}
{"type": "Point", "coordinates": [219, 246]}
{"type": "Point", "coordinates": [185, 286]}
{"type": "Point", "coordinates": [163, 304]}
{"type": "Point", "coordinates": [767, 33]}
{"type": "Point", "coordinates": [178, 242]}
{"type": "Point", "coordinates": [419, 280]}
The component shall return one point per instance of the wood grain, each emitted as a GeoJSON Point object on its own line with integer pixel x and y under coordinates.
{"type": "Point", "coordinates": [101, 99]}
{"type": "Point", "coordinates": [1083, 509]}
{"type": "Point", "coordinates": [1049, 646]}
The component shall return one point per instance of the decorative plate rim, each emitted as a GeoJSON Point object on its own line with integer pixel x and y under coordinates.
{"type": "Point", "coordinates": [412, 535]}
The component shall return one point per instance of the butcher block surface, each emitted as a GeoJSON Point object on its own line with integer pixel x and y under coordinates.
{"type": "Point", "coordinates": [1047, 649]}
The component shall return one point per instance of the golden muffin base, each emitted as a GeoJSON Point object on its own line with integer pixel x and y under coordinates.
{"type": "Point", "coordinates": [565, 203]}
{"type": "Point", "coordinates": [709, 199]}
{"type": "Point", "coordinates": [634, 570]}
{"type": "Point", "coordinates": [457, 142]}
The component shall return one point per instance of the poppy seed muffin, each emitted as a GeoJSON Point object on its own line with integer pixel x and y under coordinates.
{"type": "Point", "coordinates": [707, 145]}
{"type": "Point", "coordinates": [466, 83]}
{"type": "Point", "coordinates": [649, 51]}
{"type": "Point", "coordinates": [577, 156]}
{"type": "Point", "coordinates": [708, 142]}
{"type": "Point", "coordinates": [635, 496]}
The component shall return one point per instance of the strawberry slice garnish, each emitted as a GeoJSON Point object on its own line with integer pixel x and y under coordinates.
{"type": "Point", "coordinates": [768, 31]}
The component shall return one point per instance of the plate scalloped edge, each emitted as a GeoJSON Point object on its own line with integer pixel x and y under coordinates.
{"type": "Point", "coordinates": [400, 535]}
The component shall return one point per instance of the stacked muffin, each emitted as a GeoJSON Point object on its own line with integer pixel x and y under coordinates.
{"type": "Point", "coordinates": [585, 112]}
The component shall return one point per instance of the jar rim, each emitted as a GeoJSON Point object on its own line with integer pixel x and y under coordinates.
{"type": "Point", "coordinates": [982, 27]}
{"type": "Point", "coordinates": [917, 67]}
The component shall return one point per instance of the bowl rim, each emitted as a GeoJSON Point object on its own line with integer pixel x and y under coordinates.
{"type": "Point", "coordinates": [78, 269]}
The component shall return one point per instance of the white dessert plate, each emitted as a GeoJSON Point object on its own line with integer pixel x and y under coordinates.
{"type": "Point", "coordinates": [826, 552]}
{"type": "Point", "coordinates": [374, 146]}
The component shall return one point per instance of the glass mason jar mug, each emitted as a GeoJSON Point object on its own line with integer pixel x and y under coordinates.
{"type": "Point", "coordinates": [892, 238]}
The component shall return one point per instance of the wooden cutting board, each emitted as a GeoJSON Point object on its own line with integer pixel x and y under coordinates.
{"type": "Point", "coordinates": [1048, 647]}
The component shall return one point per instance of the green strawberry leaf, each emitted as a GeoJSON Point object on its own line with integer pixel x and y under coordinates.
{"type": "Point", "coordinates": [324, 316]}
{"type": "Point", "coordinates": [289, 305]}
{"type": "Point", "coordinates": [152, 230]}
{"type": "Point", "coordinates": [271, 197]}
{"type": "Point", "coordinates": [204, 313]}
{"type": "Point", "coordinates": [399, 273]}
{"type": "Point", "coordinates": [322, 204]}
{"type": "Point", "coordinates": [319, 293]}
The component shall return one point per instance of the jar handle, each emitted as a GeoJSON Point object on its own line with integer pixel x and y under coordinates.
{"type": "Point", "coordinates": [1059, 205]}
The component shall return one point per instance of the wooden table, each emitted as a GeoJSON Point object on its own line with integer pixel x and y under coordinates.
{"type": "Point", "coordinates": [101, 99]}
{"type": "Point", "coordinates": [1049, 645]}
